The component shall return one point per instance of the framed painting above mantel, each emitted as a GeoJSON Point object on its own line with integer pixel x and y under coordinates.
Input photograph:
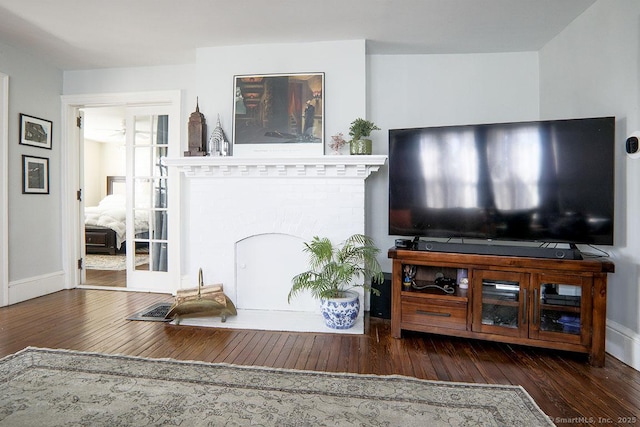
{"type": "Point", "coordinates": [278, 115]}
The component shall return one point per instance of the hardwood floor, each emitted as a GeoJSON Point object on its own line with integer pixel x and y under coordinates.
{"type": "Point", "coordinates": [109, 278]}
{"type": "Point", "coordinates": [106, 278]}
{"type": "Point", "coordinates": [115, 278]}
{"type": "Point", "coordinates": [562, 384]}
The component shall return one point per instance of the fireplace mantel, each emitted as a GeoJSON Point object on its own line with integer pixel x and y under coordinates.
{"type": "Point", "coordinates": [243, 167]}
{"type": "Point", "coordinates": [237, 207]}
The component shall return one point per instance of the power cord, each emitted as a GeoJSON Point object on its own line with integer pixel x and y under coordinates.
{"type": "Point", "coordinates": [446, 288]}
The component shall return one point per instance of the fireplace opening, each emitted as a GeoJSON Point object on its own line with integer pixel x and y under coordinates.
{"type": "Point", "coordinates": [265, 265]}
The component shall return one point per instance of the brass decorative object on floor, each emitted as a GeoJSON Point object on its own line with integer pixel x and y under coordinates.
{"type": "Point", "coordinates": [203, 301]}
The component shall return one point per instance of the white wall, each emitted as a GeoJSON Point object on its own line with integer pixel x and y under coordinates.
{"type": "Point", "coordinates": [34, 220]}
{"type": "Point", "coordinates": [591, 69]}
{"type": "Point", "coordinates": [210, 79]}
{"type": "Point", "coordinates": [92, 175]}
{"type": "Point", "coordinates": [343, 63]}
{"type": "Point", "coordinates": [433, 90]}
{"type": "Point", "coordinates": [4, 225]}
{"type": "Point", "coordinates": [105, 159]}
{"type": "Point", "coordinates": [139, 79]}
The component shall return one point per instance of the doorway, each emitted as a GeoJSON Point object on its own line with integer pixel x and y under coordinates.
{"type": "Point", "coordinates": [126, 190]}
{"type": "Point", "coordinates": [103, 169]}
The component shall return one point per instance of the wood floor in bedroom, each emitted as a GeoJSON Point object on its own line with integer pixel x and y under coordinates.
{"type": "Point", "coordinates": [563, 384]}
{"type": "Point", "coordinates": [109, 278]}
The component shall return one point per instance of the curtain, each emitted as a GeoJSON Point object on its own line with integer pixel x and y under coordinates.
{"type": "Point", "coordinates": [159, 255]}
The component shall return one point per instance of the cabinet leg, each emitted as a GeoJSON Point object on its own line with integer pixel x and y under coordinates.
{"type": "Point", "coordinates": [596, 359]}
{"type": "Point", "coordinates": [396, 332]}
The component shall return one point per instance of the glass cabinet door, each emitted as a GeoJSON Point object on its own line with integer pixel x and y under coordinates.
{"type": "Point", "coordinates": [500, 302]}
{"type": "Point", "coordinates": [561, 308]}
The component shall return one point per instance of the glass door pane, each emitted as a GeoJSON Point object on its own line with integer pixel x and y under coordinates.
{"type": "Point", "coordinates": [148, 198]}
{"type": "Point", "coordinates": [560, 308]}
{"type": "Point", "coordinates": [500, 303]}
{"type": "Point", "coordinates": [150, 192]}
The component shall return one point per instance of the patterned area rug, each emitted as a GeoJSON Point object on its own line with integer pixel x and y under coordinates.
{"type": "Point", "coordinates": [111, 262]}
{"type": "Point", "coordinates": [40, 387]}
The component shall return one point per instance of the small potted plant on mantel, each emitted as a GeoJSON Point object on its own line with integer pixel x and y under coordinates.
{"type": "Point", "coordinates": [334, 271]}
{"type": "Point", "coordinates": [360, 130]}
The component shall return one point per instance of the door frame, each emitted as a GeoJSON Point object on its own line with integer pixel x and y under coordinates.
{"type": "Point", "coordinates": [4, 189]}
{"type": "Point", "coordinates": [70, 156]}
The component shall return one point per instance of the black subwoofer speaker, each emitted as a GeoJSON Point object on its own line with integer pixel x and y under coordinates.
{"type": "Point", "coordinates": [381, 305]}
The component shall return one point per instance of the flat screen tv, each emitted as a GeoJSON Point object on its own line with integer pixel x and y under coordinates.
{"type": "Point", "coordinates": [544, 181]}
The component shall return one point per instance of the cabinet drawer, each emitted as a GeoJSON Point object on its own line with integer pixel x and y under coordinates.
{"type": "Point", "coordinates": [437, 312]}
{"type": "Point", "coordinates": [98, 238]}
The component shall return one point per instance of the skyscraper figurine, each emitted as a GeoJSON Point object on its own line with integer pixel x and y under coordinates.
{"type": "Point", "coordinates": [218, 144]}
{"type": "Point", "coordinates": [197, 133]}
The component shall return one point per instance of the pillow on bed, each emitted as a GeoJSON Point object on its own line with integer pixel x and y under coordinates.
{"type": "Point", "coordinates": [113, 200]}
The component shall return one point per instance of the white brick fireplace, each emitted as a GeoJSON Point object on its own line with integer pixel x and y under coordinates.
{"type": "Point", "coordinates": [245, 221]}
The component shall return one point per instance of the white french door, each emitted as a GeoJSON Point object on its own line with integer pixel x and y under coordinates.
{"type": "Point", "coordinates": [152, 192]}
{"type": "Point", "coordinates": [151, 253]}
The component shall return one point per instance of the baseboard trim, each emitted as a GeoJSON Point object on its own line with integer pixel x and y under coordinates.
{"type": "Point", "coordinates": [623, 343]}
{"type": "Point", "coordinates": [33, 287]}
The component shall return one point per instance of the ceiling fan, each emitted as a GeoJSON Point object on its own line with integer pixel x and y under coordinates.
{"type": "Point", "coordinates": [108, 126]}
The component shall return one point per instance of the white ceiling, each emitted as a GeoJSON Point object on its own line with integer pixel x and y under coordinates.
{"type": "Point", "coordinates": [88, 34]}
{"type": "Point", "coordinates": [104, 124]}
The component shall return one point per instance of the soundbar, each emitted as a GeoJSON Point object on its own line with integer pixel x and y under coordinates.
{"type": "Point", "coordinates": [505, 250]}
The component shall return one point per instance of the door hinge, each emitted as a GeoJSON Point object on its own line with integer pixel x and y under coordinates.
{"type": "Point", "coordinates": [79, 195]}
{"type": "Point", "coordinates": [80, 267]}
{"type": "Point", "coordinates": [79, 122]}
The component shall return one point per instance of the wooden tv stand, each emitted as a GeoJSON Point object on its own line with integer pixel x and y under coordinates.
{"type": "Point", "coordinates": [552, 303]}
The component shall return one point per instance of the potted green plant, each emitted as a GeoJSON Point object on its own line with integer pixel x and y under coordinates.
{"type": "Point", "coordinates": [333, 273]}
{"type": "Point", "coordinates": [359, 131]}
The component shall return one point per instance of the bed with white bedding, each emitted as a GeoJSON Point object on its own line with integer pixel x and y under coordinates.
{"type": "Point", "coordinates": [105, 224]}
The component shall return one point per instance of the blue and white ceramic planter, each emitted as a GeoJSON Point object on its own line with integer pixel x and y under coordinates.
{"type": "Point", "coordinates": [340, 313]}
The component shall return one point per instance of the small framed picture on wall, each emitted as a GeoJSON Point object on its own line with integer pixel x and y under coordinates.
{"type": "Point", "coordinates": [35, 175]}
{"type": "Point", "coordinates": [35, 132]}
